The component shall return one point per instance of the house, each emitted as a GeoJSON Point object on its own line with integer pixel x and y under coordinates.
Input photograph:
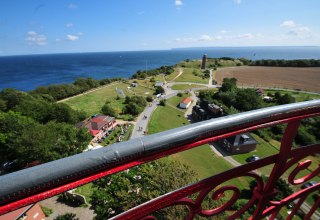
{"type": "Point", "coordinates": [97, 123]}
{"type": "Point", "coordinates": [134, 84]}
{"type": "Point", "coordinates": [185, 103]}
{"type": "Point", "coordinates": [158, 83]}
{"type": "Point", "coordinates": [239, 144]}
{"type": "Point", "coordinates": [260, 92]}
{"type": "Point", "coordinates": [199, 114]}
{"type": "Point", "coordinates": [31, 212]}
{"type": "Point", "coordinates": [215, 109]}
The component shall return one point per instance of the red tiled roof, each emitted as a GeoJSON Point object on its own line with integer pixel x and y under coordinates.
{"type": "Point", "coordinates": [15, 214]}
{"type": "Point", "coordinates": [94, 132]}
{"type": "Point", "coordinates": [99, 118]}
{"type": "Point", "coordinates": [186, 100]}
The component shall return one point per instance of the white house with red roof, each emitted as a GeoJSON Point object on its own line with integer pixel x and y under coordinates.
{"type": "Point", "coordinates": [185, 103]}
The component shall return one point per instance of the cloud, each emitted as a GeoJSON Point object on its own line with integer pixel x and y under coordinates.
{"type": "Point", "coordinates": [205, 38]}
{"type": "Point", "coordinates": [72, 37]}
{"type": "Point", "coordinates": [72, 6]}
{"type": "Point", "coordinates": [69, 25]}
{"type": "Point", "coordinates": [79, 33]}
{"type": "Point", "coordinates": [36, 39]}
{"type": "Point", "coordinates": [288, 24]}
{"type": "Point", "coordinates": [223, 31]}
{"type": "Point", "coordinates": [209, 38]}
{"type": "Point", "coordinates": [245, 36]}
{"type": "Point", "coordinates": [178, 2]}
{"type": "Point", "coordinates": [186, 39]}
{"type": "Point", "coordinates": [297, 30]}
{"type": "Point", "coordinates": [238, 2]}
{"type": "Point", "coordinates": [300, 31]}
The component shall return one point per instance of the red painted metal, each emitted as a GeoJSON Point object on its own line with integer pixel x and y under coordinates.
{"type": "Point", "coordinates": [262, 194]}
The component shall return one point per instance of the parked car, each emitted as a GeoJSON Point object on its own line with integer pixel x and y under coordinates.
{"type": "Point", "coordinates": [11, 166]}
{"type": "Point", "coordinates": [308, 184]}
{"type": "Point", "coordinates": [252, 158]}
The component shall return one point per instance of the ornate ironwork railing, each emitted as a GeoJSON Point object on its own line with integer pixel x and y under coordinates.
{"type": "Point", "coordinates": [37, 183]}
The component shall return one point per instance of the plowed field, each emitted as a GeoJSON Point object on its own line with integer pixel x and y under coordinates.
{"type": "Point", "coordinates": [307, 79]}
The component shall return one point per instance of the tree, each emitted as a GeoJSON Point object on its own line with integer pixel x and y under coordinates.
{"type": "Point", "coordinates": [228, 84]}
{"type": "Point", "coordinates": [119, 192]}
{"type": "Point", "coordinates": [285, 99]}
{"type": "Point", "coordinates": [3, 105]}
{"type": "Point", "coordinates": [67, 216]}
{"type": "Point", "coordinates": [132, 109]}
{"type": "Point", "coordinates": [108, 110]}
{"type": "Point", "coordinates": [162, 102]}
{"type": "Point", "coordinates": [25, 140]}
{"type": "Point", "coordinates": [149, 98]}
{"type": "Point", "coordinates": [247, 100]}
{"type": "Point", "coordinates": [159, 90]}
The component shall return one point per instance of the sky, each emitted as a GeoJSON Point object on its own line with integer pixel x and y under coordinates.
{"type": "Point", "coordinates": [64, 26]}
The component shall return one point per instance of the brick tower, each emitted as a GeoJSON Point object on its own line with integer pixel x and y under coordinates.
{"type": "Point", "coordinates": [204, 60]}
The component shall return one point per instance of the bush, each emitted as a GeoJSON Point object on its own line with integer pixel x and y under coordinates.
{"type": "Point", "coordinates": [162, 102]}
{"type": "Point", "coordinates": [179, 94]}
{"type": "Point", "coordinates": [159, 90]}
{"type": "Point", "coordinates": [149, 99]}
{"type": "Point", "coordinates": [108, 110]}
{"type": "Point", "coordinates": [67, 216]}
{"type": "Point", "coordinates": [47, 211]}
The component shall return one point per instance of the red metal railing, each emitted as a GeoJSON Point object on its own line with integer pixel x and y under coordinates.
{"type": "Point", "coordinates": [287, 159]}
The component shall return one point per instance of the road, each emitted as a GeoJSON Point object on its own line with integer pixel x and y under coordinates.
{"type": "Point", "coordinates": [141, 125]}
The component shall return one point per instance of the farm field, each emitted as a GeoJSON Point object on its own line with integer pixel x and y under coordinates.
{"type": "Point", "coordinates": [306, 79]}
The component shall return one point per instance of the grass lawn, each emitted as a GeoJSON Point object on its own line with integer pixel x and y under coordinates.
{"type": "Point", "coordinates": [92, 102]}
{"type": "Point", "coordinates": [188, 76]}
{"type": "Point", "coordinates": [191, 64]}
{"type": "Point", "coordinates": [175, 101]}
{"type": "Point", "coordinates": [186, 86]}
{"type": "Point", "coordinates": [86, 191]}
{"type": "Point", "coordinates": [200, 159]}
{"type": "Point", "coordinates": [172, 75]}
{"type": "Point", "coordinates": [299, 96]}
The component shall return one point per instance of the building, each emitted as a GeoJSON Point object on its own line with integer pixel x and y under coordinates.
{"type": "Point", "coordinates": [185, 103]}
{"type": "Point", "coordinates": [134, 84]}
{"type": "Point", "coordinates": [204, 60]}
{"type": "Point", "coordinates": [199, 114]}
{"type": "Point", "coordinates": [97, 123]}
{"type": "Point", "coordinates": [260, 91]}
{"type": "Point", "coordinates": [215, 109]}
{"type": "Point", "coordinates": [158, 83]}
{"type": "Point", "coordinates": [31, 212]}
{"type": "Point", "coordinates": [239, 144]}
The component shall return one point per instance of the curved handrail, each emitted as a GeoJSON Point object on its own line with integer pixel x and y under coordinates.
{"type": "Point", "coordinates": [36, 183]}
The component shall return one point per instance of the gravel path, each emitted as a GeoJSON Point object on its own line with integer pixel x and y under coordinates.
{"type": "Point", "coordinates": [61, 209]}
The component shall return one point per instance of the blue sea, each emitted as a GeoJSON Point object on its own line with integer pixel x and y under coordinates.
{"type": "Point", "coordinates": [27, 72]}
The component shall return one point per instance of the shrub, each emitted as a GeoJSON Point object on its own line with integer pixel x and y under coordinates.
{"type": "Point", "coordinates": [149, 99]}
{"type": "Point", "coordinates": [179, 94]}
{"type": "Point", "coordinates": [47, 211]}
{"type": "Point", "coordinates": [108, 110]}
{"type": "Point", "coordinates": [162, 102]}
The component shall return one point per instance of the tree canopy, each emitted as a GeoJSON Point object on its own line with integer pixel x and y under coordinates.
{"type": "Point", "coordinates": [120, 192]}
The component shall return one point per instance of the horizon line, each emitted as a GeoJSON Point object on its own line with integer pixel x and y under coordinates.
{"type": "Point", "coordinates": [125, 51]}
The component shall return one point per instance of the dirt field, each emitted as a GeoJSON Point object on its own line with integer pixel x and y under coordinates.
{"type": "Point", "coordinates": [307, 79]}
